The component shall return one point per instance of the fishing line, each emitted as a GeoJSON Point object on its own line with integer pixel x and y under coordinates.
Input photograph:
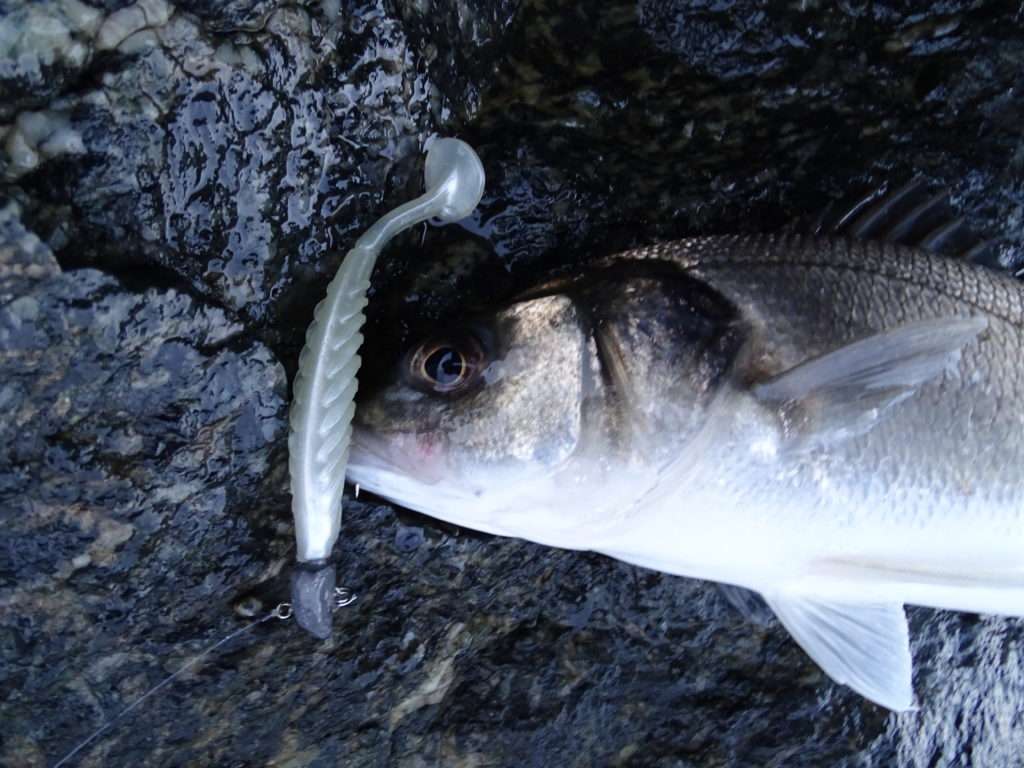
{"type": "Point", "coordinates": [283, 612]}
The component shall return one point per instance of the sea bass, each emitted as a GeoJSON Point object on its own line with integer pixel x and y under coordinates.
{"type": "Point", "coordinates": [836, 424]}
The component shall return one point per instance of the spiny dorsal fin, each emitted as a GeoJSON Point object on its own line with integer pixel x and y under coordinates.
{"type": "Point", "coordinates": [914, 214]}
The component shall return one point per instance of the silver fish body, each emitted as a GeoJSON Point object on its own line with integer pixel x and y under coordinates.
{"type": "Point", "coordinates": [838, 425]}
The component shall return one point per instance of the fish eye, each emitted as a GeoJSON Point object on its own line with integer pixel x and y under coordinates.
{"type": "Point", "coordinates": [446, 366]}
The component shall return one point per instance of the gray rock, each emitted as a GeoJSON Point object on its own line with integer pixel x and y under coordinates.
{"type": "Point", "coordinates": [616, 125]}
{"type": "Point", "coordinates": [44, 48]}
{"type": "Point", "coordinates": [139, 432]}
{"type": "Point", "coordinates": [235, 161]}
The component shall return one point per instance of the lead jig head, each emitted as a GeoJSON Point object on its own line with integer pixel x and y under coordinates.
{"type": "Point", "coordinates": [323, 400]}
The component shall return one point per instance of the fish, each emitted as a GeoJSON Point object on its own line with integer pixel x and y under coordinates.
{"type": "Point", "coordinates": [829, 419]}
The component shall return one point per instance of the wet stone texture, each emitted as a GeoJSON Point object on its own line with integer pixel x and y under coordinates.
{"type": "Point", "coordinates": [176, 183]}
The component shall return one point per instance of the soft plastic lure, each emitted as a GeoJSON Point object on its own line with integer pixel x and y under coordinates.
{"type": "Point", "coordinates": [323, 400]}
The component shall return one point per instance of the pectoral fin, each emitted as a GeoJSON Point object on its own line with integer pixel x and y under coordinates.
{"type": "Point", "coordinates": [863, 645]}
{"type": "Point", "coordinates": [845, 392]}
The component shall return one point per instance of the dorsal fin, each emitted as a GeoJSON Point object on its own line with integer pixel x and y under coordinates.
{"type": "Point", "coordinates": [913, 214]}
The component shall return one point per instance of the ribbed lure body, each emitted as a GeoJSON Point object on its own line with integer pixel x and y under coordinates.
{"type": "Point", "coordinates": [323, 403]}
{"type": "Point", "coordinates": [323, 400]}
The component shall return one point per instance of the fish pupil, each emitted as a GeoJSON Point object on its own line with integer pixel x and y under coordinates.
{"type": "Point", "coordinates": [445, 366]}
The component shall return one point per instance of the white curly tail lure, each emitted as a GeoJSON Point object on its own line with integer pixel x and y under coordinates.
{"type": "Point", "coordinates": [323, 400]}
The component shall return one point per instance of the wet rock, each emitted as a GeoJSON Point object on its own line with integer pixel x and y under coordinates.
{"type": "Point", "coordinates": [462, 43]}
{"type": "Point", "coordinates": [23, 256]}
{"type": "Point", "coordinates": [612, 125]}
{"type": "Point", "coordinates": [44, 47]}
{"type": "Point", "coordinates": [140, 429]}
{"type": "Point", "coordinates": [233, 160]}
{"type": "Point", "coordinates": [616, 125]}
{"type": "Point", "coordinates": [237, 15]}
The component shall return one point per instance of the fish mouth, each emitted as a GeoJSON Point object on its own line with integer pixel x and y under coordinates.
{"type": "Point", "coordinates": [409, 469]}
{"type": "Point", "coordinates": [420, 455]}
{"type": "Point", "coordinates": [414, 470]}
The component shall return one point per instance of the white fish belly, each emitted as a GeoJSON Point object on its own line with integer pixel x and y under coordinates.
{"type": "Point", "coordinates": [943, 552]}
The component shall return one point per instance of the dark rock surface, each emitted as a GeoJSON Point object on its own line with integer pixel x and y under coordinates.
{"type": "Point", "coordinates": [177, 181]}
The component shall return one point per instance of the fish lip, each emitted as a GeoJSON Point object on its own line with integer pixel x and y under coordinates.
{"type": "Point", "coordinates": [400, 452]}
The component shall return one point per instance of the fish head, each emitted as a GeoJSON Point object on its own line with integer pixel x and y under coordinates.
{"type": "Point", "coordinates": [542, 419]}
{"type": "Point", "coordinates": [476, 415]}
